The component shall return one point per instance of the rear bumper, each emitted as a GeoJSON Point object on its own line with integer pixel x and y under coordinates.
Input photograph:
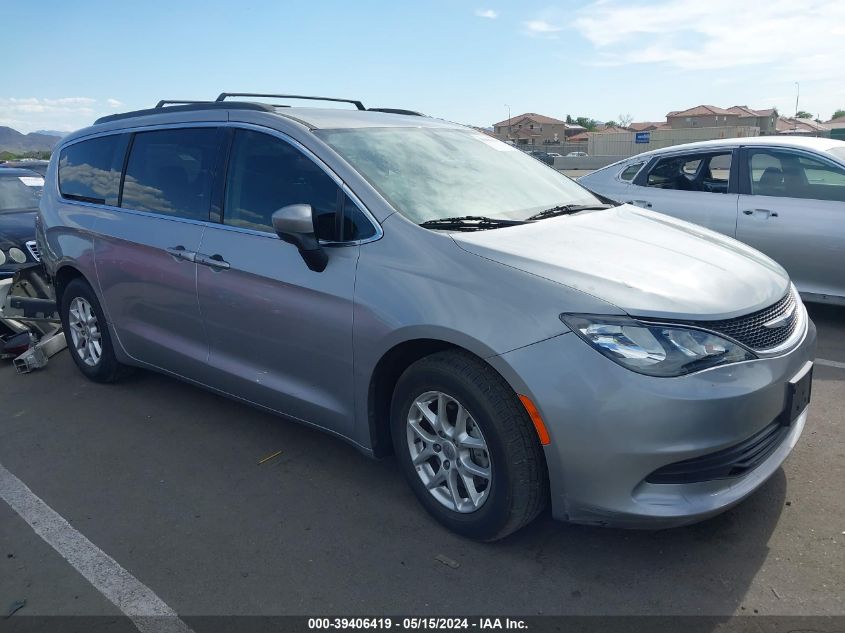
{"type": "Point", "coordinates": [611, 428]}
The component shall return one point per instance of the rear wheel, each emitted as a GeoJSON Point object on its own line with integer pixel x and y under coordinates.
{"type": "Point", "coordinates": [87, 334]}
{"type": "Point", "coordinates": [467, 447]}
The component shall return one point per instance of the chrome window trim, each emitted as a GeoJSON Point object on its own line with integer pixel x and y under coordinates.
{"type": "Point", "coordinates": [379, 232]}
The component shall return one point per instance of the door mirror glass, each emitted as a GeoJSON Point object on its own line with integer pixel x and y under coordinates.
{"type": "Point", "coordinates": [295, 225]}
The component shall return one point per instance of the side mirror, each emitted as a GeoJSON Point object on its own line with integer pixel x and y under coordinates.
{"type": "Point", "coordinates": [295, 225]}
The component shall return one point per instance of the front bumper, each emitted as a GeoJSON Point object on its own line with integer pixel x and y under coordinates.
{"type": "Point", "coordinates": [611, 428]}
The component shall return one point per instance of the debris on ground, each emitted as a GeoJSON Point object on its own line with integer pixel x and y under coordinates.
{"type": "Point", "coordinates": [30, 329]}
{"type": "Point", "coordinates": [447, 561]}
{"type": "Point", "coordinates": [269, 457]}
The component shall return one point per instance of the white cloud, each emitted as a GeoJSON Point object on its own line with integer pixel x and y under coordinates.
{"type": "Point", "coordinates": [805, 36]}
{"type": "Point", "coordinates": [490, 14]}
{"type": "Point", "coordinates": [27, 114]}
{"type": "Point", "coordinates": [769, 44]}
{"type": "Point", "coordinates": [541, 28]}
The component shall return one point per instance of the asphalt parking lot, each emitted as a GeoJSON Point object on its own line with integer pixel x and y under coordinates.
{"type": "Point", "coordinates": [165, 479]}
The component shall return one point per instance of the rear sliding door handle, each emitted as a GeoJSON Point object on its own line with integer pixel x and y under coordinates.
{"type": "Point", "coordinates": [180, 252]}
{"type": "Point", "coordinates": [769, 213]}
{"type": "Point", "coordinates": [641, 203]}
{"type": "Point", "coordinates": [213, 261]}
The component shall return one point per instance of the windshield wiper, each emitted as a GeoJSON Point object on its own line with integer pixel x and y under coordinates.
{"type": "Point", "coordinates": [563, 209]}
{"type": "Point", "coordinates": [469, 223]}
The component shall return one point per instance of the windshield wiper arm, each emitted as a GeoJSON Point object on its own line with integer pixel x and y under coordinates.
{"type": "Point", "coordinates": [469, 223]}
{"type": "Point", "coordinates": [563, 209]}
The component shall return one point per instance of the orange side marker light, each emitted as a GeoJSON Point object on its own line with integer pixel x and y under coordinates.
{"type": "Point", "coordinates": [539, 425]}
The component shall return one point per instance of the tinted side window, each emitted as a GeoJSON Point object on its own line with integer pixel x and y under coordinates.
{"type": "Point", "coordinates": [630, 171]}
{"type": "Point", "coordinates": [90, 170]}
{"type": "Point", "coordinates": [709, 173]}
{"type": "Point", "coordinates": [265, 174]}
{"type": "Point", "coordinates": [170, 172]}
{"type": "Point", "coordinates": [791, 175]}
{"type": "Point", "coordinates": [356, 226]}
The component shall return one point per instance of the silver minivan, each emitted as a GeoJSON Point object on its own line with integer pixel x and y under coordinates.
{"type": "Point", "coordinates": [419, 288]}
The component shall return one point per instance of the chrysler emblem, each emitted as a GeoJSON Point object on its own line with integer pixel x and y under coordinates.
{"type": "Point", "coordinates": [780, 321]}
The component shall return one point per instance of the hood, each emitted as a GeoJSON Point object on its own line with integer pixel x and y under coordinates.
{"type": "Point", "coordinates": [646, 263]}
{"type": "Point", "coordinates": [16, 227]}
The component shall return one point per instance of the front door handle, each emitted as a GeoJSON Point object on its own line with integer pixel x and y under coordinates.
{"type": "Point", "coordinates": [769, 213]}
{"type": "Point", "coordinates": [180, 252]}
{"type": "Point", "coordinates": [215, 262]}
{"type": "Point", "coordinates": [641, 203]}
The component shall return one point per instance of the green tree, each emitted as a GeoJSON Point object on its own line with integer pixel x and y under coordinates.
{"type": "Point", "coordinates": [803, 114]}
{"type": "Point", "coordinates": [611, 123]}
{"type": "Point", "coordinates": [587, 123]}
{"type": "Point", "coordinates": [569, 119]}
{"type": "Point", "coordinates": [838, 114]}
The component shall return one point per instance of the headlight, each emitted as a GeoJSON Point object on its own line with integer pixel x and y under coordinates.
{"type": "Point", "coordinates": [17, 255]}
{"type": "Point", "coordinates": [653, 349]}
{"type": "Point", "coordinates": [2, 258]}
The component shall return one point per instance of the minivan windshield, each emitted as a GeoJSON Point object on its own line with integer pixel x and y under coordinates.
{"type": "Point", "coordinates": [433, 173]}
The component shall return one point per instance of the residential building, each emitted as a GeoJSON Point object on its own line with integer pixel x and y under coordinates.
{"type": "Point", "coordinates": [534, 129]}
{"type": "Point", "coordinates": [801, 127]}
{"type": "Point", "coordinates": [647, 126]}
{"type": "Point", "coordinates": [609, 129]}
{"type": "Point", "coordinates": [836, 124]}
{"type": "Point", "coordinates": [766, 119]}
{"type": "Point", "coordinates": [702, 116]}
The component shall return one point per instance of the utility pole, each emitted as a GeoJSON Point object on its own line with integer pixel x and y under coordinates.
{"type": "Point", "coordinates": [509, 121]}
{"type": "Point", "coordinates": [797, 94]}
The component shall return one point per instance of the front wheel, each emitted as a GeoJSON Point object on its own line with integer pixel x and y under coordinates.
{"type": "Point", "coordinates": [87, 334]}
{"type": "Point", "coordinates": [467, 447]}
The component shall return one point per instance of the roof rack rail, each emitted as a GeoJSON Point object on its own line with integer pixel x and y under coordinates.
{"type": "Point", "coordinates": [396, 111]}
{"type": "Point", "coordinates": [186, 107]}
{"type": "Point", "coordinates": [224, 95]}
{"type": "Point", "coordinates": [165, 102]}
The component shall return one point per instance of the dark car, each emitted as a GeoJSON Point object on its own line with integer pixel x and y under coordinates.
{"type": "Point", "coordinates": [543, 157]}
{"type": "Point", "coordinates": [20, 191]}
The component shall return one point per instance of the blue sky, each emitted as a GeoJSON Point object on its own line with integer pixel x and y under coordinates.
{"type": "Point", "coordinates": [68, 62]}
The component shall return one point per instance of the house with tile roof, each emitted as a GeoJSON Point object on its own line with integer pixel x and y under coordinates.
{"type": "Point", "coordinates": [801, 127]}
{"type": "Point", "coordinates": [534, 129]}
{"type": "Point", "coordinates": [647, 126]}
{"type": "Point", "coordinates": [702, 116]}
{"type": "Point", "coordinates": [766, 119]}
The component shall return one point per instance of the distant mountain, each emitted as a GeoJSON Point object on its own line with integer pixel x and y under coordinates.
{"type": "Point", "coordinates": [58, 133]}
{"type": "Point", "coordinates": [13, 141]}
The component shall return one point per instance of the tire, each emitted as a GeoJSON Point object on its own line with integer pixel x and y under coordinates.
{"type": "Point", "coordinates": [516, 490]}
{"type": "Point", "coordinates": [99, 367]}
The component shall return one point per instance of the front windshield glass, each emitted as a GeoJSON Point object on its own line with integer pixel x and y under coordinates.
{"type": "Point", "coordinates": [428, 173]}
{"type": "Point", "coordinates": [20, 192]}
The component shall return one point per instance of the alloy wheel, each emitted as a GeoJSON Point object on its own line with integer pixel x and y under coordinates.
{"type": "Point", "coordinates": [449, 452]}
{"type": "Point", "coordinates": [85, 334]}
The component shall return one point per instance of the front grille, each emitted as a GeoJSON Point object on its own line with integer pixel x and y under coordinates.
{"type": "Point", "coordinates": [750, 329]}
{"type": "Point", "coordinates": [730, 462]}
{"type": "Point", "coordinates": [32, 247]}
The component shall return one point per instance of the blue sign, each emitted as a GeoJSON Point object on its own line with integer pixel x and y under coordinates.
{"type": "Point", "coordinates": [642, 137]}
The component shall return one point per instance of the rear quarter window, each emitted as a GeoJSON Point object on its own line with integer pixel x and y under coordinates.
{"type": "Point", "coordinates": [630, 171]}
{"type": "Point", "coordinates": [89, 170]}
